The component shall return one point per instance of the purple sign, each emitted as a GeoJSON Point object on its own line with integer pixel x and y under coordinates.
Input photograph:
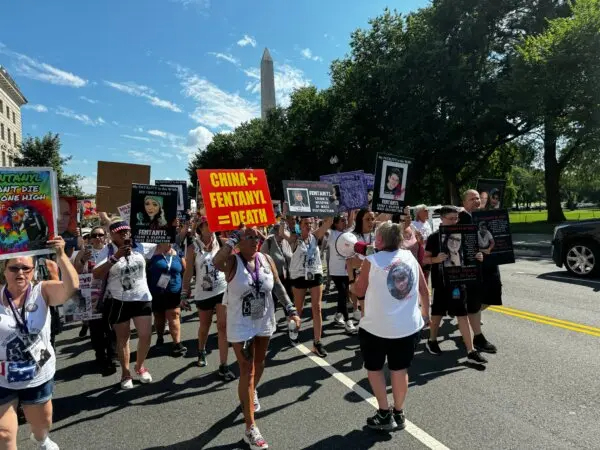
{"type": "Point", "coordinates": [350, 189]}
{"type": "Point", "coordinates": [369, 181]}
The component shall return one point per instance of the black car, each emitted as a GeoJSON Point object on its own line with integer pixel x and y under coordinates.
{"type": "Point", "coordinates": [576, 245]}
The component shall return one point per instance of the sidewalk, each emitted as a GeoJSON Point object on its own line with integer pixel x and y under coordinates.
{"type": "Point", "coordinates": [532, 245]}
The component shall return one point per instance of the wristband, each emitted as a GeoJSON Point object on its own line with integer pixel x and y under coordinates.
{"type": "Point", "coordinates": [113, 260]}
{"type": "Point", "coordinates": [291, 311]}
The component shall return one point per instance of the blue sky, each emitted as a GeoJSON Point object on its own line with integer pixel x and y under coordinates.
{"type": "Point", "coordinates": [149, 81]}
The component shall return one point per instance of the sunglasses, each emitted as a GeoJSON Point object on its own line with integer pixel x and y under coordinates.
{"type": "Point", "coordinates": [94, 236]}
{"type": "Point", "coordinates": [17, 269]}
{"type": "Point", "coordinates": [250, 238]}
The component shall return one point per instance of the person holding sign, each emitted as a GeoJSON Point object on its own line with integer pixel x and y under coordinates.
{"type": "Point", "coordinates": [252, 280]}
{"type": "Point", "coordinates": [306, 272]}
{"type": "Point", "coordinates": [28, 361]}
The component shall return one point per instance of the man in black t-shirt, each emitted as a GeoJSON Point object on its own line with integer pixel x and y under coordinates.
{"type": "Point", "coordinates": [487, 291]}
{"type": "Point", "coordinates": [449, 299]}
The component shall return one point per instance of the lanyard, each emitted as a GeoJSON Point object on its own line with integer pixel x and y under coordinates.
{"type": "Point", "coordinates": [254, 275]}
{"type": "Point", "coordinates": [169, 262]}
{"type": "Point", "coordinates": [312, 246]}
{"type": "Point", "coordinates": [19, 317]}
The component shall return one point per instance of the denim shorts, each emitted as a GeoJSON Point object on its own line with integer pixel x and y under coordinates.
{"type": "Point", "coordinates": [29, 396]}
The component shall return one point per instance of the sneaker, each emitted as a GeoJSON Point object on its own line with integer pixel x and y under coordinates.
{"type": "Point", "coordinates": [383, 420]}
{"type": "Point", "coordinates": [202, 358]}
{"type": "Point", "coordinates": [179, 349]}
{"type": "Point", "coordinates": [46, 444]}
{"type": "Point", "coordinates": [433, 347]}
{"type": "Point", "coordinates": [84, 330]}
{"type": "Point", "coordinates": [356, 315]}
{"type": "Point", "coordinates": [483, 345]}
{"type": "Point", "coordinates": [350, 328]}
{"type": "Point", "coordinates": [160, 341]}
{"type": "Point", "coordinates": [126, 383]}
{"type": "Point", "coordinates": [318, 349]}
{"type": "Point", "coordinates": [225, 373]}
{"type": "Point", "coordinates": [476, 357]}
{"type": "Point", "coordinates": [339, 319]}
{"type": "Point", "coordinates": [256, 402]}
{"type": "Point", "coordinates": [254, 439]}
{"type": "Point", "coordinates": [399, 418]}
{"type": "Point", "coordinates": [144, 375]}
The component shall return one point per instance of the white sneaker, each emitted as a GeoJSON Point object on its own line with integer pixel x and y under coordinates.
{"type": "Point", "coordinates": [339, 319]}
{"type": "Point", "coordinates": [254, 439]}
{"type": "Point", "coordinates": [144, 375]}
{"type": "Point", "coordinates": [127, 383]}
{"type": "Point", "coordinates": [46, 444]}
{"type": "Point", "coordinates": [356, 315]}
{"type": "Point", "coordinates": [350, 328]}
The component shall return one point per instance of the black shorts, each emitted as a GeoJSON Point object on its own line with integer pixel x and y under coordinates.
{"type": "Point", "coordinates": [163, 301]}
{"type": "Point", "coordinates": [210, 303]}
{"type": "Point", "coordinates": [303, 283]}
{"type": "Point", "coordinates": [444, 303]}
{"type": "Point", "coordinates": [399, 352]}
{"type": "Point", "coordinates": [121, 312]}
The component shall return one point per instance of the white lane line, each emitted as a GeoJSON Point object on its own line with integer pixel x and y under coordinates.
{"type": "Point", "coordinates": [582, 280]}
{"type": "Point", "coordinates": [422, 436]}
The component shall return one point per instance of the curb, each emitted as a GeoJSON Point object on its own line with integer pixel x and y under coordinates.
{"type": "Point", "coordinates": [540, 251]}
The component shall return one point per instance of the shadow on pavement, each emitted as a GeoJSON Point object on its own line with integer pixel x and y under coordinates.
{"type": "Point", "coordinates": [566, 277]}
{"type": "Point", "coordinates": [356, 439]}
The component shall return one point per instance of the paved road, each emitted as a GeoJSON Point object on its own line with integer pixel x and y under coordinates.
{"type": "Point", "coordinates": [541, 391]}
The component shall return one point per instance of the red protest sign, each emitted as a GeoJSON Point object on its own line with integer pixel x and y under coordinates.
{"type": "Point", "coordinates": [233, 197]}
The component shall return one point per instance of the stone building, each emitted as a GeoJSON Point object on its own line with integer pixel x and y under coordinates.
{"type": "Point", "coordinates": [11, 100]}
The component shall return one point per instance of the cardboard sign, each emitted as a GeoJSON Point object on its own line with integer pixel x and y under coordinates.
{"type": "Point", "coordinates": [277, 208]}
{"type": "Point", "coordinates": [125, 212]}
{"type": "Point", "coordinates": [310, 198]}
{"type": "Point", "coordinates": [82, 306]}
{"type": "Point", "coordinates": [459, 242]}
{"type": "Point", "coordinates": [66, 221]}
{"type": "Point", "coordinates": [493, 233]}
{"type": "Point", "coordinates": [28, 210]}
{"type": "Point", "coordinates": [391, 180]}
{"type": "Point", "coordinates": [351, 189]}
{"type": "Point", "coordinates": [114, 183]}
{"type": "Point", "coordinates": [153, 214]}
{"type": "Point", "coordinates": [233, 197]}
{"type": "Point", "coordinates": [491, 193]}
{"type": "Point", "coordinates": [183, 203]}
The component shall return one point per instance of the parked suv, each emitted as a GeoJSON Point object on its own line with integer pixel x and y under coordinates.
{"type": "Point", "coordinates": [576, 245]}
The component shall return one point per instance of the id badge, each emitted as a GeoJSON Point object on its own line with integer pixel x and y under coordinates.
{"type": "Point", "coordinates": [18, 372]}
{"type": "Point", "coordinates": [39, 352]}
{"type": "Point", "coordinates": [163, 281]}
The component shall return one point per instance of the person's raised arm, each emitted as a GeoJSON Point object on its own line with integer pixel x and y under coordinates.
{"type": "Point", "coordinates": [225, 260]}
{"type": "Point", "coordinates": [281, 294]}
{"type": "Point", "coordinates": [351, 220]}
{"type": "Point", "coordinates": [320, 232]}
{"type": "Point", "coordinates": [57, 292]}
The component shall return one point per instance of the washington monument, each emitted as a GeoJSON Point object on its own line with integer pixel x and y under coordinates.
{"type": "Point", "coordinates": [267, 84]}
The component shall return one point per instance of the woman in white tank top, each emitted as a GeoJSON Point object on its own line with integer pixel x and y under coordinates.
{"type": "Point", "coordinates": [208, 293]}
{"type": "Point", "coordinates": [27, 360]}
{"type": "Point", "coordinates": [252, 279]}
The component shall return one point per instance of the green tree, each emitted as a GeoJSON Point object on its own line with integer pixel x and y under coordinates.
{"type": "Point", "coordinates": [45, 152]}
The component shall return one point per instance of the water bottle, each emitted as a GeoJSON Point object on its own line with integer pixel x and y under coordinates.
{"type": "Point", "coordinates": [293, 330]}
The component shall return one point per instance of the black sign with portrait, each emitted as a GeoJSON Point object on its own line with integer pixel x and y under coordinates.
{"type": "Point", "coordinates": [391, 180]}
{"type": "Point", "coordinates": [153, 213]}
{"type": "Point", "coordinates": [310, 198]}
{"type": "Point", "coordinates": [460, 243]}
{"type": "Point", "coordinates": [493, 235]}
{"type": "Point", "coordinates": [491, 193]}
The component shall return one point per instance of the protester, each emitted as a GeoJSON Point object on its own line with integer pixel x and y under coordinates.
{"type": "Point", "coordinates": [29, 360]}
{"type": "Point", "coordinates": [165, 270]}
{"type": "Point", "coordinates": [364, 230]}
{"type": "Point", "coordinates": [306, 271]}
{"type": "Point", "coordinates": [421, 222]}
{"type": "Point", "coordinates": [281, 253]}
{"type": "Point", "coordinates": [252, 280]}
{"type": "Point", "coordinates": [127, 297]}
{"type": "Point", "coordinates": [449, 299]}
{"type": "Point", "coordinates": [208, 293]}
{"type": "Point", "coordinates": [393, 285]}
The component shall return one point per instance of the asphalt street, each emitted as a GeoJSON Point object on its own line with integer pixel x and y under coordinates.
{"type": "Point", "coordinates": [541, 391]}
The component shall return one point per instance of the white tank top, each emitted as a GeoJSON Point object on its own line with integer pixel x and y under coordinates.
{"type": "Point", "coordinates": [209, 280]}
{"type": "Point", "coordinates": [337, 263]}
{"type": "Point", "coordinates": [13, 343]}
{"type": "Point", "coordinates": [392, 298]}
{"type": "Point", "coordinates": [306, 258]}
{"type": "Point", "coordinates": [250, 311]}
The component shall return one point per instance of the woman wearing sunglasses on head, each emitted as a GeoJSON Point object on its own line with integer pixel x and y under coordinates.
{"type": "Point", "coordinates": [208, 293]}
{"type": "Point", "coordinates": [27, 359]}
{"type": "Point", "coordinates": [252, 281]}
{"type": "Point", "coordinates": [127, 296]}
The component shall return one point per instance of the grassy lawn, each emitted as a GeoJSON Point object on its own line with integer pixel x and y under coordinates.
{"type": "Point", "coordinates": [535, 221]}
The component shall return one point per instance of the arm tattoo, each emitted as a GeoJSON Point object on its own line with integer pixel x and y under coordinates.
{"type": "Point", "coordinates": [283, 298]}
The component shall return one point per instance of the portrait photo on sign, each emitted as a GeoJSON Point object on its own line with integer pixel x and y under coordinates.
{"type": "Point", "coordinates": [485, 239]}
{"type": "Point", "coordinates": [393, 181]}
{"type": "Point", "coordinates": [153, 213]}
{"type": "Point", "coordinates": [491, 193]}
{"type": "Point", "coordinates": [298, 200]}
{"type": "Point", "coordinates": [452, 246]}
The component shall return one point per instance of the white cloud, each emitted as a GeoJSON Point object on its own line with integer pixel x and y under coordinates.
{"type": "Point", "coordinates": [199, 3]}
{"type": "Point", "coordinates": [287, 80]}
{"type": "Point", "coordinates": [88, 185]}
{"type": "Point", "coordinates": [137, 138]}
{"type": "Point", "coordinates": [216, 107]}
{"type": "Point", "coordinates": [159, 133]}
{"type": "Point", "coordinates": [83, 118]}
{"type": "Point", "coordinates": [115, 123]}
{"type": "Point", "coordinates": [36, 70]}
{"type": "Point", "coordinates": [89, 100]}
{"type": "Point", "coordinates": [198, 140]}
{"type": "Point", "coordinates": [227, 57]}
{"type": "Point", "coordinates": [36, 108]}
{"type": "Point", "coordinates": [145, 156]}
{"type": "Point", "coordinates": [139, 90]}
{"type": "Point", "coordinates": [253, 73]}
{"type": "Point", "coordinates": [247, 40]}
{"type": "Point", "coordinates": [308, 54]}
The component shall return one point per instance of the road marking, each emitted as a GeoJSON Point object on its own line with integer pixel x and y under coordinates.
{"type": "Point", "coordinates": [572, 326]}
{"type": "Point", "coordinates": [583, 280]}
{"type": "Point", "coordinates": [422, 436]}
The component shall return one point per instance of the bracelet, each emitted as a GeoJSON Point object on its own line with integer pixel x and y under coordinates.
{"type": "Point", "coordinates": [113, 260]}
